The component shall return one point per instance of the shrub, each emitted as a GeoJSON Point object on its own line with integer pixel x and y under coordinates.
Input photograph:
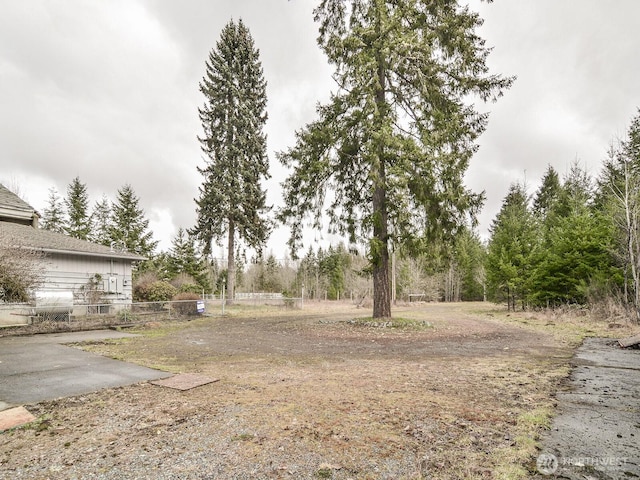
{"type": "Point", "coordinates": [183, 307]}
{"type": "Point", "coordinates": [157, 291]}
{"type": "Point", "coordinates": [146, 277]}
{"type": "Point", "coordinates": [142, 284]}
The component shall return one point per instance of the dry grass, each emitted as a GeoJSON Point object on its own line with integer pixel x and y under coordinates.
{"type": "Point", "coordinates": [309, 394]}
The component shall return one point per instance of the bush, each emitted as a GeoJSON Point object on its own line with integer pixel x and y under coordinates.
{"type": "Point", "coordinates": [157, 291]}
{"type": "Point", "coordinates": [141, 284]}
{"type": "Point", "coordinates": [183, 307]}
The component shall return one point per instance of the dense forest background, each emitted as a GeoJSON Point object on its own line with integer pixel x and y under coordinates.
{"type": "Point", "coordinates": [573, 241]}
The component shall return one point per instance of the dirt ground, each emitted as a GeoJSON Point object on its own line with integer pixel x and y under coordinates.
{"type": "Point", "coordinates": [460, 391]}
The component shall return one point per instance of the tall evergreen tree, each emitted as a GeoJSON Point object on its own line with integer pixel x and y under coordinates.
{"type": "Point", "coordinates": [53, 217]}
{"type": "Point", "coordinates": [576, 194]}
{"type": "Point", "coordinates": [514, 237]}
{"type": "Point", "coordinates": [77, 203]}
{"type": "Point", "coordinates": [128, 229]}
{"type": "Point", "coordinates": [392, 145]}
{"type": "Point", "coordinates": [101, 222]}
{"type": "Point", "coordinates": [547, 195]}
{"type": "Point", "coordinates": [232, 201]}
{"type": "Point", "coordinates": [183, 257]}
{"type": "Point", "coordinates": [469, 258]}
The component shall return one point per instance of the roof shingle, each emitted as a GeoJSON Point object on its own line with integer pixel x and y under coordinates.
{"type": "Point", "coordinates": [47, 241]}
{"type": "Point", "coordinates": [10, 200]}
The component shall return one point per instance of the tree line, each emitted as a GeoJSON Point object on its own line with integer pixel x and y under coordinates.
{"type": "Point", "coordinates": [576, 240]}
{"type": "Point", "coordinates": [334, 272]}
{"type": "Point", "coordinates": [120, 224]}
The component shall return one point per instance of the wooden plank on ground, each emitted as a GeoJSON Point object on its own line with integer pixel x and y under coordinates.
{"type": "Point", "coordinates": [14, 417]}
{"type": "Point", "coordinates": [185, 381]}
{"type": "Point", "coordinates": [629, 341]}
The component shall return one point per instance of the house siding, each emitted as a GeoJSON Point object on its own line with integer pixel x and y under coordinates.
{"type": "Point", "coordinates": [112, 277]}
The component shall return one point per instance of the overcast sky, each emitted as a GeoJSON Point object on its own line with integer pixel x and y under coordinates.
{"type": "Point", "coordinates": [107, 90]}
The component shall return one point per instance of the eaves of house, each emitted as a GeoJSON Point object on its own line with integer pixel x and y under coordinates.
{"type": "Point", "coordinates": [14, 209]}
{"type": "Point", "coordinates": [25, 236]}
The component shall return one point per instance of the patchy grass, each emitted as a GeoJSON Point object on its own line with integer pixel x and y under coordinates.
{"type": "Point", "coordinates": [40, 424]}
{"type": "Point", "coordinates": [243, 437]}
{"type": "Point", "coordinates": [566, 325]}
{"type": "Point", "coordinates": [515, 461]}
{"type": "Point", "coordinates": [445, 391]}
{"type": "Point", "coordinates": [395, 322]}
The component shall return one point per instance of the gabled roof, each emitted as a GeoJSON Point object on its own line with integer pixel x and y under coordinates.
{"type": "Point", "coordinates": [52, 242]}
{"type": "Point", "coordinates": [13, 207]}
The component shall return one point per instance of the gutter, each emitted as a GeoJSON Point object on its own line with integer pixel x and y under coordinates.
{"type": "Point", "coordinates": [133, 257]}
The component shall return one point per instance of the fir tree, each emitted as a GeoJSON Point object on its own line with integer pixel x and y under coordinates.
{"type": "Point", "coordinates": [77, 202]}
{"type": "Point", "coordinates": [575, 261]}
{"type": "Point", "coordinates": [101, 222]}
{"type": "Point", "coordinates": [577, 244]}
{"type": "Point", "coordinates": [231, 200]}
{"type": "Point", "coordinates": [53, 217]}
{"type": "Point", "coordinates": [333, 266]}
{"type": "Point", "coordinates": [514, 238]}
{"type": "Point", "coordinates": [391, 147]}
{"type": "Point", "coordinates": [309, 274]}
{"type": "Point", "coordinates": [548, 193]}
{"type": "Point", "coordinates": [183, 258]}
{"type": "Point", "coordinates": [469, 259]}
{"type": "Point", "coordinates": [128, 229]}
{"type": "Point", "coordinates": [576, 194]}
{"type": "Point", "coordinates": [272, 281]}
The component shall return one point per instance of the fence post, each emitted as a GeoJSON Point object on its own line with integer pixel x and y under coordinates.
{"type": "Point", "coordinates": [223, 293]}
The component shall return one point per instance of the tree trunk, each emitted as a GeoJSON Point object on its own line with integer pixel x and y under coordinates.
{"type": "Point", "coordinates": [380, 244]}
{"type": "Point", "coordinates": [381, 283]}
{"type": "Point", "coordinates": [630, 206]}
{"type": "Point", "coordinates": [231, 264]}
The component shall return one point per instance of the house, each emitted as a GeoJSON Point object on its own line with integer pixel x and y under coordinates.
{"type": "Point", "coordinates": [92, 272]}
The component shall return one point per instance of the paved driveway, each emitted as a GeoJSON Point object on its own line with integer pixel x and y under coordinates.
{"type": "Point", "coordinates": [41, 367]}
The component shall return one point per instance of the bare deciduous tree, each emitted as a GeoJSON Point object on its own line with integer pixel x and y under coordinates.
{"type": "Point", "coordinates": [21, 270]}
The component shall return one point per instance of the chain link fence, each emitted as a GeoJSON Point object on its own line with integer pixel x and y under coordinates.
{"type": "Point", "coordinates": [106, 315]}
{"type": "Point", "coordinates": [110, 315]}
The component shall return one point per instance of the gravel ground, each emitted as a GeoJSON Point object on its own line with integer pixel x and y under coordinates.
{"type": "Point", "coordinates": [308, 395]}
